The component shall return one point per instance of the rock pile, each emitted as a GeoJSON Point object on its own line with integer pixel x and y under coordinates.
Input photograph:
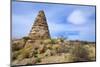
{"type": "Point", "coordinates": [40, 27]}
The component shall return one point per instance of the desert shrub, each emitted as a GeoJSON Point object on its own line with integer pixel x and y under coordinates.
{"type": "Point", "coordinates": [24, 53]}
{"type": "Point", "coordinates": [38, 51]}
{"type": "Point", "coordinates": [53, 52]}
{"type": "Point", "coordinates": [47, 41]}
{"type": "Point", "coordinates": [26, 38]}
{"type": "Point", "coordinates": [17, 45]}
{"type": "Point", "coordinates": [79, 53]}
{"type": "Point", "coordinates": [38, 60]}
{"type": "Point", "coordinates": [47, 52]}
{"type": "Point", "coordinates": [91, 50]}
{"type": "Point", "coordinates": [14, 55]}
{"type": "Point", "coordinates": [53, 41]}
{"type": "Point", "coordinates": [68, 57]}
{"type": "Point", "coordinates": [35, 55]}
{"type": "Point", "coordinates": [35, 52]}
{"type": "Point", "coordinates": [61, 39]}
{"type": "Point", "coordinates": [36, 48]}
{"type": "Point", "coordinates": [50, 41]}
{"type": "Point", "coordinates": [49, 46]}
{"type": "Point", "coordinates": [56, 48]}
{"type": "Point", "coordinates": [64, 49]}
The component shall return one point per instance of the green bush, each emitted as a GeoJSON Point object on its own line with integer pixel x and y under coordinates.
{"type": "Point", "coordinates": [53, 41]}
{"type": "Point", "coordinates": [49, 41]}
{"type": "Point", "coordinates": [38, 60]}
{"type": "Point", "coordinates": [26, 38]}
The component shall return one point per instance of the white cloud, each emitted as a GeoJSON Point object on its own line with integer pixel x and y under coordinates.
{"type": "Point", "coordinates": [77, 17]}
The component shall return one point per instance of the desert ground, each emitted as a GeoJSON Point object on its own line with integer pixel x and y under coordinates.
{"type": "Point", "coordinates": [26, 51]}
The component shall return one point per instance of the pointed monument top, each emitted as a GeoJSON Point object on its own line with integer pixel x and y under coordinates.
{"type": "Point", "coordinates": [40, 27]}
{"type": "Point", "coordinates": [41, 11]}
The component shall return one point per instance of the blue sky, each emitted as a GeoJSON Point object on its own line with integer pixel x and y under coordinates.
{"type": "Point", "coordinates": [72, 21]}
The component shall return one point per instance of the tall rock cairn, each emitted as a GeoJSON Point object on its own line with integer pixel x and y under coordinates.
{"type": "Point", "coordinates": [40, 27]}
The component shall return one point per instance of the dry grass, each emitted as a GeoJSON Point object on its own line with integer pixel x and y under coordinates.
{"type": "Point", "coordinates": [52, 51]}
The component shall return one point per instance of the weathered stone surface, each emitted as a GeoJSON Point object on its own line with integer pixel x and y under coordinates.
{"type": "Point", "coordinates": [34, 43]}
{"type": "Point", "coordinates": [40, 27]}
{"type": "Point", "coordinates": [29, 43]}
